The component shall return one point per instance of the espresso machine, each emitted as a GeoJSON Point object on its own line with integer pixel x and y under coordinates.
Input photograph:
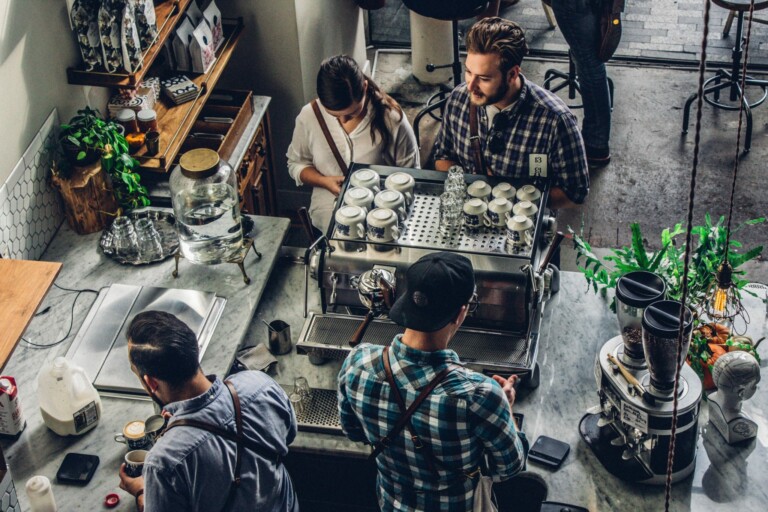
{"type": "Point", "coordinates": [500, 337]}
{"type": "Point", "coordinates": [630, 430]}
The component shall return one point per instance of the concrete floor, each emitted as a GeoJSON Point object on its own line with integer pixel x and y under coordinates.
{"type": "Point", "coordinates": [649, 177]}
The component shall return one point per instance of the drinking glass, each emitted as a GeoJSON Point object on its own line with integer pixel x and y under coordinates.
{"type": "Point", "coordinates": [299, 404]}
{"type": "Point", "coordinates": [148, 239]}
{"type": "Point", "coordinates": [301, 386]}
{"type": "Point", "coordinates": [455, 181]}
{"type": "Point", "coordinates": [124, 238]}
{"type": "Point", "coordinates": [451, 211]}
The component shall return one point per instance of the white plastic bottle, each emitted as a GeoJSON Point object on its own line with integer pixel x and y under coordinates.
{"type": "Point", "coordinates": [41, 495]}
{"type": "Point", "coordinates": [69, 403]}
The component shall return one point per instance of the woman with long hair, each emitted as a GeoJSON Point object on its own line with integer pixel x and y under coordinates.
{"type": "Point", "coordinates": [365, 125]}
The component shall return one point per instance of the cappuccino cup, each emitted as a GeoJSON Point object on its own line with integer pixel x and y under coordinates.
{"type": "Point", "coordinates": [479, 189]}
{"type": "Point", "coordinates": [499, 210]}
{"type": "Point", "coordinates": [134, 462]}
{"type": "Point", "coordinates": [526, 208]}
{"type": "Point", "coordinates": [519, 236]}
{"type": "Point", "coordinates": [359, 196]}
{"type": "Point", "coordinates": [504, 190]}
{"type": "Point", "coordinates": [528, 193]}
{"type": "Point", "coordinates": [403, 183]}
{"type": "Point", "coordinates": [350, 222]}
{"type": "Point", "coordinates": [393, 200]}
{"type": "Point", "coordinates": [475, 214]}
{"type": "Point", "coordinates": [382, 225]}
{"type": "Point", "coordinates": [134, 436]}
{"type": "Point", "coordinates": [366, 178]}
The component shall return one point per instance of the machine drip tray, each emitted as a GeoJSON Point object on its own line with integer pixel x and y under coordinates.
{"type": "Point", "coordinates": [599, 440]}
{"type": "Point", "coordinates": [321, 412]}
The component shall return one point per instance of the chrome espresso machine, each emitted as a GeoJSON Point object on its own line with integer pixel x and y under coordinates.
{"type": "Point", "coordinates": [360, 279]}
{"type": "Point", "coordinates": [631, 429]}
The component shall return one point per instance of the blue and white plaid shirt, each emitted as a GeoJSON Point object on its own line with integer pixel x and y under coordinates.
{"type": "Point", "coordinates": [538, 123]}
{"type": "Point", "coordinates": [466, 414]}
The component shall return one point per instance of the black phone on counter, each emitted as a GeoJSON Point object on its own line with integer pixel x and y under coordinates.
{"type": "Point", "coordinates": [77, 468]}
{"type": "Point", "coordinates": [549, 451]}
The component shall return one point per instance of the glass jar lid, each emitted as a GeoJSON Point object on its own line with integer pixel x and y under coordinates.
{"type": "Point", "coordinates": [199, 163]}
{"type": "Point", "coordinates": [126, 115]}
{"type": "Point", "coordinates": [146, 115]}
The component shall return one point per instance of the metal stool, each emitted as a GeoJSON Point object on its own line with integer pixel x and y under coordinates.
{"type": "Point", "coordinates": [731, 79]}
{"type": "Point", "coordinates": [570, 80]}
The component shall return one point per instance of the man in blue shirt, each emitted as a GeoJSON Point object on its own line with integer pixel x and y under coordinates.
{"type": "Point", "coordinates": [465, 416]}
{"type": "Point", "coordinates": [191, 468]}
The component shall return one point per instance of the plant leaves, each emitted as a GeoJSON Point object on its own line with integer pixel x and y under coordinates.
{"type": "Point", "coordinates": [637, 246]}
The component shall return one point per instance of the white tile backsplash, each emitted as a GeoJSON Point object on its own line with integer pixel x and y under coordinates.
{"type": "Point", "coordinates": [30, 208]}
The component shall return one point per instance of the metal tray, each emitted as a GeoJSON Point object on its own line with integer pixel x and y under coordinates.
{"type": "Point", "coordinates": [164, 223]}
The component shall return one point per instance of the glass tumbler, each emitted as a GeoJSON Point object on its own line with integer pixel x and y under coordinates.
{"type": "Point", "coordinates": [124, 238]}
{"type": "Point", "coordinates": [455, 181]}
{"type": "Point", "coordinates": [451, 212]}
{"type": "Point", "coordinates": [150, 248]}
{"type": "Point", "coordinates": [299, 404]}
{"type": "Point", "coordinates": [301, 386]}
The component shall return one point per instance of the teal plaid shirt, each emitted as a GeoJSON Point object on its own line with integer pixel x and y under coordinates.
{"type": "Point", "coordinates": [467, 414]}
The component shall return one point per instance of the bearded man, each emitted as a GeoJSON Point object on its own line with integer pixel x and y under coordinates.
{"type": "Point", "coordinates": [498, 123]}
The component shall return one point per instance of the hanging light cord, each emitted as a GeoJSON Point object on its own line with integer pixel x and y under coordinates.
{"type": "Point", "coordinates": [691, 199]}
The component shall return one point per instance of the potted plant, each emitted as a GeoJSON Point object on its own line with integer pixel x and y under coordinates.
{"type": "Point", "coordinates": [710, 340]}
{"type": "Point", "coordinates": [84, 137]}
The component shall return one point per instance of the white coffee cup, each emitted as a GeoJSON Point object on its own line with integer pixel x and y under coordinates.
{"type": "Point", "coordinates": [504, 190]}
{"type": "Point", "coordinates": [382, 225]}
{"type": "Point", "coordinates": [519, 234]}
{"type": "Point", "coordinates": [367, 178]}
{"type": "Point", "coordinates": [479, 189]}
{"type": "Point", "coordinates": [350, 222]}
{"type": "Point", "coordinates": [499, 210]}
{"type": "Point", "coordinates": [403, 183]}
{"type": "Point", "coordinates": [359, 196]}
{"type": "Point", "coordinates": [527, 209]}
{"type": "Point", "coordinates": [528, 193]}
{"type": "Point", "coordinates": [475, 214]}
{"type": "Point", "coordinates": [393, 200]}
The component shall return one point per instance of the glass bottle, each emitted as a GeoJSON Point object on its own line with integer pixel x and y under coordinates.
{"type": "Point", "coordinates": [207, 209]}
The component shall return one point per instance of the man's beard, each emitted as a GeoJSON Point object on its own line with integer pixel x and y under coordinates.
{"type": "Point", "coordinates": [492, 99]}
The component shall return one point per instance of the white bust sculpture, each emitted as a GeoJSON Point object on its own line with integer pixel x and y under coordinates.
{"type": "Point", "coordinates": [736, 375]}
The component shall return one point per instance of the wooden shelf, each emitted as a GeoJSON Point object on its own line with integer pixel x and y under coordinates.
{"type": "Point", "coordinates": [175, 121]}
{"type": "Point", "coordinates": [168, 15]}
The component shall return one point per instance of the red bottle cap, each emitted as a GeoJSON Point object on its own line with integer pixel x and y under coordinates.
{"type": "Point", "coordinates": [111, 500]}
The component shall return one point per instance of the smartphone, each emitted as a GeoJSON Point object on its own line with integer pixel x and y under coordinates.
{"type": "Point", "coordinates": [77, 468]}
{"type": "Point", "coordinates": [549, 451]}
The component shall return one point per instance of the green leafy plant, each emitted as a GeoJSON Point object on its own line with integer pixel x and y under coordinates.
{"type": "Point", "coordinates": [86, 135]}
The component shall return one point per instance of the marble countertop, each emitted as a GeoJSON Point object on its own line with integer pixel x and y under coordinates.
{"type": "Point", "coordinates": [726, 477]}
{"type": "Point", "coordinates": [38, 451]}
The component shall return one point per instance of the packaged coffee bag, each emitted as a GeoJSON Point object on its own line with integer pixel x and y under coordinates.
{"type": "Point", "coordinates": [146, 22]}
{"type": "Point", "coordinates": [129, 38]}
{"type": "Point", "coordinates": [84, 19]}
{"type": "Point", "coordinates": [110, 13]}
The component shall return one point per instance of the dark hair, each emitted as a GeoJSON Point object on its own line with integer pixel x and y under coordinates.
{"type": "Point", "coordinates": [163, 347]}
{"type": "Point", "coordinates": [340, 82]}
{"type": "Point", "coordinates": [502, 37]}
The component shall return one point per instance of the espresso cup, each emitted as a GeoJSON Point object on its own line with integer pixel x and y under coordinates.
{"type": "Point", "coordinates": [393, 200]}
{"type": "Point", "coordinates": [382, 225]}
{"type": "Point", "coordinates": [504, 190]}
{"type": "Point", "coordinates": [499, 210]}
{"type": "Point", "coordinates": [134, 462]}
{"type": "Point", "coordinates": [359, 196]}
{"type": "Point", "coordinates": [350, 222]}
{"type": "Point", "coordinates": [528, 193]}
{"type": "Point", "coordinates": [479, 189]}
{"type": "Point", "coordinates": [519, 235]}
{"type": "Point", "coordinates": [475, 214]}
{"type": "Point", "coordinates": [403, 183]}
{"type": "Point", "coordinates": [366, 178]}
{"type": "Point", "coordinates": [134, 435]}
{"type": "Point", "coordinates": [154, 427]}
{"type": "Point", "coordinates": [526, 208]}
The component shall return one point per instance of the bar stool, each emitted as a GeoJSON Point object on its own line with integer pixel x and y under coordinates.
{"type": "Point", "coordinates": [731, 79]}
{"type": "Point", "coordinates": [570, 80]}
{"type": "Point", "coordinates": [446, 10]}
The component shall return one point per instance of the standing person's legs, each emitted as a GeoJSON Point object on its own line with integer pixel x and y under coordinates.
{"type": "Point", "coordinates": [579, 23]}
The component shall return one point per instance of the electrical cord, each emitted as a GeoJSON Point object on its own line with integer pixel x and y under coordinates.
{"type": "Point", "coordinates": [47, 309]}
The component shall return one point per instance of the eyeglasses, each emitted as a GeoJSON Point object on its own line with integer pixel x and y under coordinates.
{"type": "Point", "coordinates": [496, 135]}
{"type": "Point", "coordinates": [473, 302]}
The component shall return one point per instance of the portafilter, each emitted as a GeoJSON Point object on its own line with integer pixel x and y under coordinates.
{"type": "Point", "coordinates": [376, 289]}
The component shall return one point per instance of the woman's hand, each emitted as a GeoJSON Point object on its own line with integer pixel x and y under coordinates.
{"type": "Point", "coordinates": [333, 184]}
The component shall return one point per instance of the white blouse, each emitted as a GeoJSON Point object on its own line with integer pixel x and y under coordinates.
{"type": "Point", "coordinates": [309, 148]}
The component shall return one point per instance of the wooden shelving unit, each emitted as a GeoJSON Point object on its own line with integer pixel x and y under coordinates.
{"type": "Point", "coordinates": [168, 15]}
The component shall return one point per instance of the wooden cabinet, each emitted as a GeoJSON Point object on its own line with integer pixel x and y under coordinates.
{"type": "Point", "coordinates": [256, 177]}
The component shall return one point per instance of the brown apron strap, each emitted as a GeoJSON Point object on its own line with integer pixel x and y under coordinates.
{"type": "Point", "coordinates": [405, 419]}
{"type": "Point", "coordinates": [323, 126]}
{"type": "Point", "coordinates": [474, 138]}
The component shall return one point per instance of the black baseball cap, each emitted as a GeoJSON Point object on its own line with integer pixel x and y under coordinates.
{"type": "Point", "coordinates": [439, 284]}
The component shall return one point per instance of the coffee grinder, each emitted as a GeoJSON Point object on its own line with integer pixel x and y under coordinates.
{"type": "Point", "coordinates": [631, 430]}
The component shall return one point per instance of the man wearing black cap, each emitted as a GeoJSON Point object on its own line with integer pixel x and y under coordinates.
{"type": "Point", "coordinates": [432, 461]}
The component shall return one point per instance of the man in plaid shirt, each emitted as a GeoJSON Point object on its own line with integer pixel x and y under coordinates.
{"type": "Point", "coordinates": [465, 416]}
{"type": "Point", "coordinates": [518, 122]}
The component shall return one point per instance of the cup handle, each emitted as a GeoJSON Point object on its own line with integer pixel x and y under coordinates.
{"type": "Point", "coordinates": [487, 220]}
{"type": "Point", "coordinates": [360, 231]}
{"type": "Point", "coordinates": [120, 438]}
{"type": "Point", "coordinates": [528, 238]}
{"type": "Point", "coordinates": [395, 232]}
{"type": "Point", "coordinates": [375, 189]}
{"type": "Point", "coordinates": [409, 196]}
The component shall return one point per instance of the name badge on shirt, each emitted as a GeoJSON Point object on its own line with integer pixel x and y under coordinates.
{"type": "Point", "coordinates": [537, 165]}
